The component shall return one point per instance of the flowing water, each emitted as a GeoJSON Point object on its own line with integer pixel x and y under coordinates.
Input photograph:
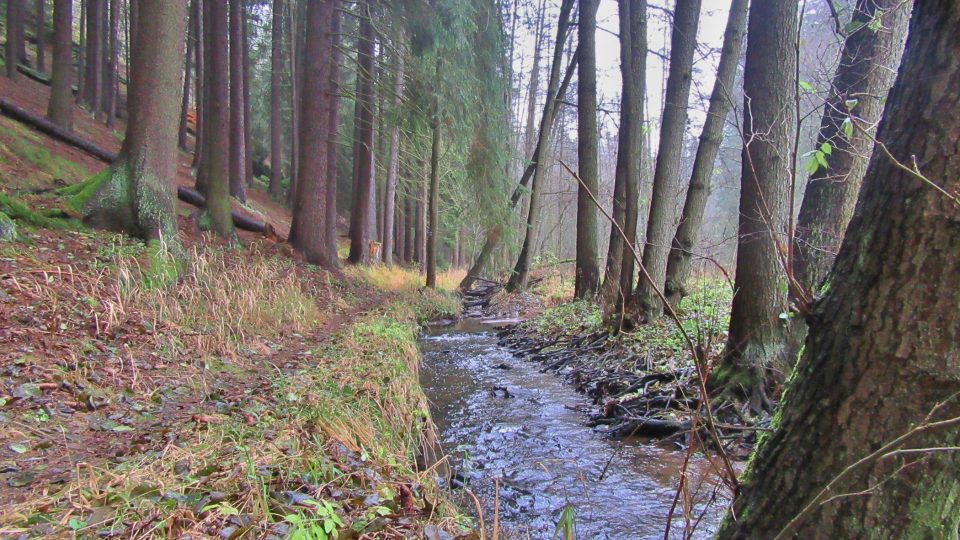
{"type": "Point", "coordinates": [501, 418]}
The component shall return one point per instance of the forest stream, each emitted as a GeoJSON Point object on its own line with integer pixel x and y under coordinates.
{"type": "Point", "coordinates": [501, 418]}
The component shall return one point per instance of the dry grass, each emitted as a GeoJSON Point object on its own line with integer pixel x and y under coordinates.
{"type": "Point", "coordinates": [221, 299]}
{"type": "Point", "coordinates": [402, 279]}
{"type": "Point", "coordinates": [337, 422]}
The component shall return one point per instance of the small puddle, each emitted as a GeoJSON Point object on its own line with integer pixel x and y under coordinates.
{"type": "Point", "coordinates": [501, 418]}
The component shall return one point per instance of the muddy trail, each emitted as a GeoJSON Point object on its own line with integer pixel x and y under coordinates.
{"type": "Point", "coordinates": [519, 439]}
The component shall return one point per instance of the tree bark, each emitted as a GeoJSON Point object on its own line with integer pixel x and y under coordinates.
{"type": "Point", "coordinates": [360, 230]}
{"type": "Point", "coordinates": [868, 65]}
{"type": "Point", "coordinates": [136, 194]}
{"type": "Point", "coordinates": [276, 88]}
{"type": "Point", "coordinates": [666, 177]}
{"type": "Point", "coordinates": [521, 271]}
{"type": "Point", "coordinates": [201, 88]}
{"type": "Point", "coordinates": [245, 60]}
{"type": "Point", "coordinates": [618, 275]}
{"type": "Point", "coordinates": [14, 37]}
{"type": "Point", "coordinates": [296, 61]}
{"type": "Point", "coordinates": [309, 211]}
{"type": "Point", "coordinates": [215, 171]}
{"type": "Point", "coordinates": [389, 196]}
{"type": "Point", "coordinates": [587, 267]}
{"type": "Point", "coordinates": [420, 236]}
{"type": "Point", "coordinates": [530, 133]}
{"type": "Point", "coordinates": [112, 76]}
{"type": "Point", "coordinates": [433, 228]}
{"type": "Point", "coordinates": [755, 351]}
{"type": "Point", "coordinates": [238, 148]}
{"type": "Point", "coordinates": [185, 102]}
{"type": "Point", "coordinates": [721, 102]}
{"type": "Point", "coordinates": [333, 113]}
{"type": "Point", "coordinates": [883, 344]}
{"type": "Point", "coordinates": [40, 33]}
{"type": "Point", "coordinates": [93, 87]}
{"type": "Point", "coordinates": [60, 106]}
{"type": "Point", "coordinates": [81, 54]}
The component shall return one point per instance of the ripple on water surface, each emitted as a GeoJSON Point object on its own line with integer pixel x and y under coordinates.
{"type": "Point", "coordinates": [502, 418]}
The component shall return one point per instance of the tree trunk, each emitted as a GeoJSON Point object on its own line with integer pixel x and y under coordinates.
{"type": "Point", "coordinates": [276, 87]}
{"type": "Point", "coordinates": [238, 149]}
{"type": "Point", "coordinates": [495, 233]}
{"type": "Point", "coordinates": [360, 231]}
{"type": "Point", "coordinates": [41, 35]}
{"type": "Point", "coordinates": [883, 344]}
{"type": "Point", "coordinates": [530, 133]}
{"type": "Point", "coordinates": [245, 58]}
{"type": "Point", "coordinates": [618, 276]}
{"type": "Point", "coordinates": [333, 114]}
{"type": "Point", "coordinates": [14, 25]}
{"type": "Point", "coordinates": [113, 65]}
{"type": "Point", "coordinates": [400, 229]}
{"type": "Point", "coordinates": [60, 106]}
{"type": "Point", "coordinates": [93, 87]}
{"type": "Point", "coordinates": [868, 65]}
{"type": "Point", "coordinates": [419, 254]}
{"type": "Point", "coordinates": [81, 53]}
{"type": "Point", "coordinates": [215, 170]}
{"type": "Point", "coordinates": [296, 56]}
{"type": "Point", "coordinates": [136, 195]}
{"type": "Point", "coordinates": [721, 102]}
{"type": "Point", "coordinates": [409, 214]}
{"type": "Point", "coordinates": [392, 169]}
{"type": "Point", "coordinates": [755, 352]}
{"type": "Point", "coordinates": [201, 88]}
{"type": "Point", "coordinates": [309, 210]}
{"type": "Point", "coordinates": [521, 272]}
{"type": "Point", "coordinates": [587, 268]}
{"type": "Point", "coordinates": [666, 178]}
{"type": "Point", "coordinates": [185, 102]}
{"type": "Point", "coordinates": [433, 229]}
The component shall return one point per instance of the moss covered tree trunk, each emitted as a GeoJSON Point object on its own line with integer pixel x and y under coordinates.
{"type": "Point", "coordinates": [60, 106]}
{"type": "Point", "coordinates": [136, 194]}
{"type": "Point", "coordinates": [214, 174]}
{"type": "Point", "coordinates": [884, 343]}
{"type": "Point", "coordinates": [721, 102]}
{"type": "Point", "coordinates": [755, 351]}
{"type": "Point", "coordinates": [868, 65]}
{"type": "Point", "coordinates": [661, 224]}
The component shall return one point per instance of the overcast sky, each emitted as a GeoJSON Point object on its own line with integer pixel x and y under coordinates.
{"type": "Point", "coordinates": [713, 19]}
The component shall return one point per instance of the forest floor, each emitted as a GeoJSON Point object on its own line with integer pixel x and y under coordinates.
{"type": "Point", "coordinates": [251, 394]}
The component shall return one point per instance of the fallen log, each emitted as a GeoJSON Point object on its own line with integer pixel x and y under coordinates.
{"type": "Point", "coordinates": [49, 128]}
{"type": "Point", "coordinates": [194, 197]}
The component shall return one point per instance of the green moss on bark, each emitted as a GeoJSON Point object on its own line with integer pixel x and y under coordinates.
{"type": "Point", "coordinates": [19, 211]}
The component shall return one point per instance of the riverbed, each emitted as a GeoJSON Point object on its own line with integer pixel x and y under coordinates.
{"type": "Point", "coordinates": [502, 418]}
